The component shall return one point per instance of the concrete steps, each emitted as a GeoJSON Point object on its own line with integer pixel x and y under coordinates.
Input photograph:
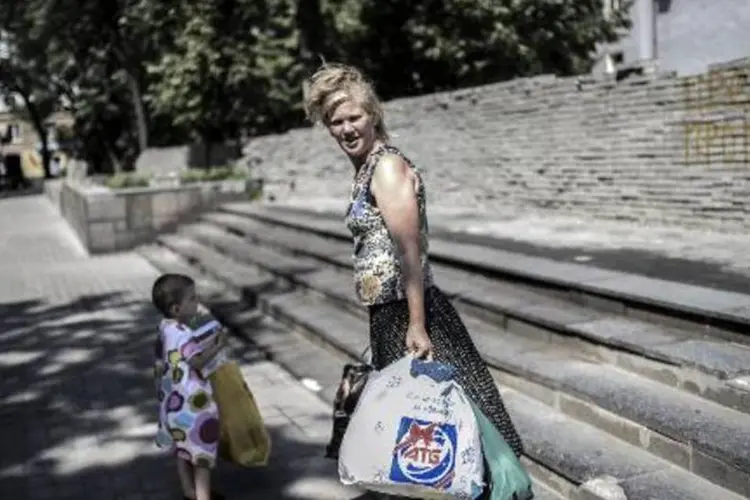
{"type": "Point", "coordinates": [711, 307]}
{"type": "Point", "coordinates": [676, 352]}
{"type": "Point", "coordinates": [601, 398]}
{"type": "Point", "coordinates": [315, 366]}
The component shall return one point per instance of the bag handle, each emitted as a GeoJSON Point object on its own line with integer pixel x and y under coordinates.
{"type": "Point", "coordinates": [437, 371]}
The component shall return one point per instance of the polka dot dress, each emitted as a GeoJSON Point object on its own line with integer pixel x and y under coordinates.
{"type": "Point", "coordinates": [188, 415]}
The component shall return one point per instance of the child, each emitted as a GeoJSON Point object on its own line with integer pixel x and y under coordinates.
{"type": "Point", "coordinates": [188, 415]}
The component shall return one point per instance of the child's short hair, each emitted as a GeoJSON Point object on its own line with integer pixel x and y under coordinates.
{"type": "Point", "coordinates": [169, 290]}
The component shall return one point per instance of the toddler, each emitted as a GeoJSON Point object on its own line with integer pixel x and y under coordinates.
{"type": "Point", "coordinates": [188, 415]}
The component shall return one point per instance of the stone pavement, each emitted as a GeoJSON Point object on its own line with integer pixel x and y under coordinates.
{"type": "Point", "coordinates": [77, 409]}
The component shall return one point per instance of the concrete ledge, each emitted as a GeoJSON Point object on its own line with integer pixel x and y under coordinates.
{"type": "Point", "coordinates": [705, 304]}
{"type": "Point", "coordinates": [107, 220]}
{"type": "Point", "coordinates": [52, 190]}
{"type": "Point", "coordinates": [692, 300]}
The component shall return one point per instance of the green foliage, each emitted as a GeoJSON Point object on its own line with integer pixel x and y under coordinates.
{"type": "Point", "coordinates": [27, 79]}
{"type": "Point", "coordinates": [127, 180]}
{"type": "Point", "coordinates": [212, 175]}
{"type": "Point", "coordinates": [230, 67]}
{"type": "Point", "coordinates": [192, 176]}
{"type": "Point", "coordinates": [420, 46]}
{"type": "Point", "coordinates": [87, 57]}
{"type": "Point", "coordinates": [154, 72]}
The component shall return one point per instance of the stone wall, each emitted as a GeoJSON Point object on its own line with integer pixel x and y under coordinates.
{"type": "Point", "coordinates": [53, 190]}
{"type": "Point", "coordinates": [106, 220]}
{"type": "Point", "coordinates": [658, 149]}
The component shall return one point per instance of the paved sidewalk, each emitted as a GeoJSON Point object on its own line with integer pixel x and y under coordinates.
{"type": "Point", "coordinates": [77, 411]}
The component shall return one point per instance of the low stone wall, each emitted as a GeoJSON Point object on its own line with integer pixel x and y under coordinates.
{"type": "Point", "coordinates": [52, 189]}
{"type": "Point", "coordinates": [108, 220]}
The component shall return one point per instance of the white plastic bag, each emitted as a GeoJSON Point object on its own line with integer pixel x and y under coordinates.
{"type": "Point", "coordinates": [414, 434]}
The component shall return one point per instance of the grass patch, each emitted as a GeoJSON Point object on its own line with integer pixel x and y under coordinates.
{"type": "Point", "coordinates": [192, 176]}
{"type": "Point", "coordinates": [212, 175]}
{"type": "Point", "coordinates": [127, 180]}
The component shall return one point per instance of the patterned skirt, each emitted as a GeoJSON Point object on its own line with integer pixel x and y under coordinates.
{"type": "Point", "coordinates": [452, 344]}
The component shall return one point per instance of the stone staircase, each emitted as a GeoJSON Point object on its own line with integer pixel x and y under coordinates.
{"type": "Point", "coordinates": [622, 386]}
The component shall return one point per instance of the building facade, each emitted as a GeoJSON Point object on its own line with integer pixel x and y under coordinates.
{"type": "Point", "coordinates": [683, 36]}
{"type": "Point", "coordinates": [21, 147]}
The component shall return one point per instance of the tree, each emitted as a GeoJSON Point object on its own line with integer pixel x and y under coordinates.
{"type": "Point", "coordinates": [101, 51]}
{"type": "Point", "coordinates": [189, 79]}
{"type": "Point", "coordinates": [317, 33]}
{"type": "Point", "coordinates": [420, 46]}
{"type": "Point", "coordinates": [278, 69]}
{"type": "Point", "coordinates": [24, 73]}
{"type": "Point", "coordinates": [140, 72]}
{"type": "Point", "coordinates": [228, 68]}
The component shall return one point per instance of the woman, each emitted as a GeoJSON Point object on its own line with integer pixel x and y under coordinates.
{"type": "Point", "coordinates": [388, 220]}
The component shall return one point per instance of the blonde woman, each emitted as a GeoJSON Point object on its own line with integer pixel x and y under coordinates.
{"type": "Point", "coordinates": [388, 220]}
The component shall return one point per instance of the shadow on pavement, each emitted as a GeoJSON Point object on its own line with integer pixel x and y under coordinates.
{"type": "Point", "coordinates": [78, 411]}
{"type": "Point", "coordinates": [32, 190]}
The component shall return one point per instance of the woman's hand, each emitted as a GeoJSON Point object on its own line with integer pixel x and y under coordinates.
{"type": "Point", "coordinates": [418, 342]}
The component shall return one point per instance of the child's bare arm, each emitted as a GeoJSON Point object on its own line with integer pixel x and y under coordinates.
{"type": "Point", "coordinates": [200, 360]}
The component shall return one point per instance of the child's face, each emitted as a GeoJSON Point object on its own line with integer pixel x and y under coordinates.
{"type": "Point", "coordinates": [188, 307]}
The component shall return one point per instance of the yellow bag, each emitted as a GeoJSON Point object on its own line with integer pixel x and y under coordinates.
{"type": "Point", "coordinates": [244, 439]}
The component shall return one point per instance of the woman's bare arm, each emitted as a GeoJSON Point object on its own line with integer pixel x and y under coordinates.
{"type": "Point", "coordinates": [395, 189]}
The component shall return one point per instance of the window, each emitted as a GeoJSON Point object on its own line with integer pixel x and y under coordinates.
{"type": "Point", "coordinates": [14, 131]}
{"type": "Point", "coordinates": [611, 6]}
{"type": "Point", "coordinates": [664, 6]}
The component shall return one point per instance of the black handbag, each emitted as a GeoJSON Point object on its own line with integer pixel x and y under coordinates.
{"type": "Point", "coordinates": [353, 380]}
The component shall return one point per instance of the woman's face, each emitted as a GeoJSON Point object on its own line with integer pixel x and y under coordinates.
{"type": "Point", "coordinates": [353, 129]}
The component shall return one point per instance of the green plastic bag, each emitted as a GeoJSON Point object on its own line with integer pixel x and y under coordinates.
{"type": "Point", "coordinates": [508, 478]}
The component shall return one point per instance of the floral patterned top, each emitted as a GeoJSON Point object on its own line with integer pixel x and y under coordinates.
{"type": "Point", "coordinates": [378, 278]}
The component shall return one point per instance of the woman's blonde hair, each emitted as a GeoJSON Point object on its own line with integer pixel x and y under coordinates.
{"type": "Point", "coordinates": [335, 83]}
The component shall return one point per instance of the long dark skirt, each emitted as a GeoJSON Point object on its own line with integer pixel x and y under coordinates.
{"type": "Point", "coordinates": [451, 344]}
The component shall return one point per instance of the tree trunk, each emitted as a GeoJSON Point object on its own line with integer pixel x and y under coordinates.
{"type": "Point", "coordinates": [41, 130]}
{"type": "Point", "coordinates": [141, 124]}
{"type": "Point", "coordinates": [112, 157]}
{"type": "Point", "coordinates": [140, 115]}
{"type": "Point", "coordinates": [208, 147]}
{"type": "Point", "coordinates": [116, 164]}
{"type": "Point", "coordinates": [312, 32]}
{"type": "Point", "coordinates": [46, 156]}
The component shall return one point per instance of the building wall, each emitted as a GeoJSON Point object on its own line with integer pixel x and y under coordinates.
{"type": "Point", "coordinates": [694, 34]}
{"type": "Point", "coordinates": [665, 149]}
{"type": "Point", "coordinates": [26, 140]}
